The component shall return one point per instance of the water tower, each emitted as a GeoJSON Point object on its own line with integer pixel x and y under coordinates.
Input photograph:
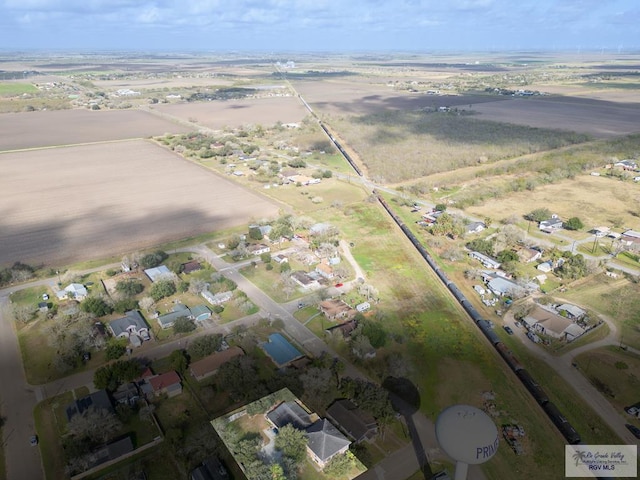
{"type": "Point", "coordinates": [467, 435]}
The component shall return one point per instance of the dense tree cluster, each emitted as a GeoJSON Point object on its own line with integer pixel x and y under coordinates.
{"type": "Point", "coordinates": [205, 345]}
{"type": "Point", "coordinates": [162, 289]}
{"type": "Point", "coordinates": [113, 375]}
{"type": "Point", "coordinates": [153, 259]}
{"type": "Point", "coordinates": [18, 272]}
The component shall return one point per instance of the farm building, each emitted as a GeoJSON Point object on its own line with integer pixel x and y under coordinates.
{"type": "Point", "coordinates": [571, 311]}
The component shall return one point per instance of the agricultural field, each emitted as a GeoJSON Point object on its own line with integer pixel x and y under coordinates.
{"type": "Point", "coordinates": [97, 200]}
{"type": "Point", "coordinates": [600, 118]}
{"type": "Point", "coordinates": [68, 127]}
{"type": "Point", "coordinates": [218, 115]}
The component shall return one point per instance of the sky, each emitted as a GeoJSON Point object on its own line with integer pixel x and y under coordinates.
{"type": "Point", "coordinates": [320, 25]}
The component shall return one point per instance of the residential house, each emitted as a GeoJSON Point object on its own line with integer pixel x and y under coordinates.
{"type": "Point", "coordinates": [190, 267]}
{"type": "Point", "coordinates": [501, 286]}
{"type": "Point", "coordinates": [545, 267]}
{"type": "Point", "coordinates": [325, 270]}
{"type": "Point", "coordinates": [258, 249]}
{"type": "Point", "coordinates": [475, 227]}
{"type": "Point", "coordinates": [126, 394]}
{"type": "Point", "coordinates": [167, 383]}
{"type": "Point", "coordinates": [211, 469]}
{"type": "Point", "coordinates": [601, 231]}
{"type": "Point", "coordinates": [551, 324]}
{"type": "Point", "coordinates": [218, 298]}
{"type": "Point", "coordinates": [551, 225]}
{"type": "Point", "coordinates": [200, 313]}
{"type": "Point", "coordinates": [304, 280]}
{"type": "Point", "coordinates": [43, 307]}
{"type": "Point", "coordinates": [487, 261]}
{"type": "Point", "coordinates": [280, 258]}
{"type": "Point", "coordinates": [346, 328]}
{"type": "Point", "coordinates": [336, 309]}
{"type": "Point", "coordinates": [571, 311]}
{"type": "Point", "coordinates": [75, 291]}
{"type": "Point", "coordinates": [98, 400]}
{"type": "Point", "coordinates": [111, 451]}
{"type": "Point", "coordinates": [630, 237]}
{"type": "Point", "coordinates": [158, 273]}
{"type": "Point", "coordinates": [528, 255]}
{"type": "Point", "coordinates": [324, 441]}
{"type": "Point", "coordinates": [291, 413]}
{"type": "Point", "coordinates": [169, 319]}
{"type": "Point", "coordinates": [210, 364]}
{"type": "Point", "coordinates": [357, 424]}
{"type": "Point", "coordinates": [131, 326]}
{"type": "Point", "coordinates": [629, 165]}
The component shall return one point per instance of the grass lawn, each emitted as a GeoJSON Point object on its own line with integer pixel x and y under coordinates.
{"type": "Point", "coordinates": [269, 280]}
{"type": "Point", "coordinates": [617, 298]}
{"type": "Point", "coordinates": [10, 89]}
{"type": "Point", "coordinates": [48, 416]}
{"type": "Point", "coordinates": [614, 373]}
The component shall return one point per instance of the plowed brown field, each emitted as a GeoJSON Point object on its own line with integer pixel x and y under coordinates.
{"type": "Point", "coordinates": [67, 204]}
{"type": "Point", "coordinates": [67, 127]}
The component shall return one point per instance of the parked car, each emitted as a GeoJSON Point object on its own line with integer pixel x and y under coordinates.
{"type": "Point", "coordinates": [145, 335]}
{"type": "Point", "coordinates": [339, 285]}
{"type": "Point", "coordinates": [33, 441]}
{"type": "Point", "coordinates": [633, 429]}
{"type": "Point", "coordinates": [45, 296]}
{"type": "Point", "coordinates": [508, 329]}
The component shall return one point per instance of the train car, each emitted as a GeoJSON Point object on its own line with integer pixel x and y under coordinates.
{"type": "Point", "coordinates": [534, 388]}
{"type": "Point", "coordinates": [488, 332]}
{"type": "Point", "coordinates": [561, 423]}
{"type": "Point", "coordinates": [508, 356]}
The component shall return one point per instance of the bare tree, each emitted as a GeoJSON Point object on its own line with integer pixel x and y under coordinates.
{"type": "Point", "coordinates": [147, 303]}
{"type": "Point", "coordinates": [197, 286]}
{"type": "Point", "coordinates": [97, 424]}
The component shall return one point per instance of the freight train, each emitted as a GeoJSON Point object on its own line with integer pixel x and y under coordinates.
{"type": "Point", "coordinates": [536, 391]}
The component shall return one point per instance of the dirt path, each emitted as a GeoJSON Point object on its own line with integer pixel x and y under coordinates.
{"type": "Point", "coordinates": [349, 256]}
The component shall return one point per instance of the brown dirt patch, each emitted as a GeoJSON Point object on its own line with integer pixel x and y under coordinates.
{"type": "Point", "coordinates": [68, 204]}
{"type": "Point", "coordinates": [68, 127]}
{"type": "Point", "coordinates": [233, 113]}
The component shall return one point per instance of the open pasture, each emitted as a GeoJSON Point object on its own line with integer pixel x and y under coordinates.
{"type": "Point", "coordinates": [595, 200]}
{"type": "Point", "coordinates": [68, 204]}
{"type": "Point", "coordinates": [68, 127]}
{"type": "Point", "coordinates": [234, 113]}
